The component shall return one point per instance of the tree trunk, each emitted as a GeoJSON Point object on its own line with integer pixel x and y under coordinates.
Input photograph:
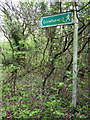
{"type": "Point", "coordinates": [89, 68]}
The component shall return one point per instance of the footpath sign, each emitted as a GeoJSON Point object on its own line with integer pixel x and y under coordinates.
{"type": "Point", "coordinates": [54, 20]}
{"type": "Point", "coordinates": [65, 19]}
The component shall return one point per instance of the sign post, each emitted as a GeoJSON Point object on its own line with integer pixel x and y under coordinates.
{"type": "Point", "coordinates": [66, 19]}
{"type": "Point", "coordinates": [75, 51]}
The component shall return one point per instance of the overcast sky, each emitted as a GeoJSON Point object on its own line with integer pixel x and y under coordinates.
{"type": "Point", "coordinates": [16, 1]}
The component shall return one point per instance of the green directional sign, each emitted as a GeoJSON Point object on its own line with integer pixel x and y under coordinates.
{"type": "Point", "coordinates": [54, 20]}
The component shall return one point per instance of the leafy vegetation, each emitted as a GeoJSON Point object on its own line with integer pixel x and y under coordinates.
{"type": "Point", "coordinates": [37, 62]}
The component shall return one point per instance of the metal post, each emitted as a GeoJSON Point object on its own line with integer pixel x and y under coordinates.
{"type": "Point", "coordinates": [75, 51]}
